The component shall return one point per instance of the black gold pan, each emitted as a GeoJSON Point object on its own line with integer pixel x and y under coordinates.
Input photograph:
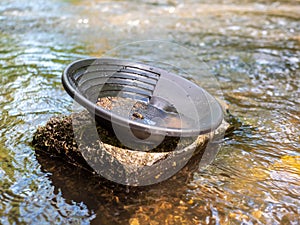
{"type": "Point", "coordinates": [145, 101]}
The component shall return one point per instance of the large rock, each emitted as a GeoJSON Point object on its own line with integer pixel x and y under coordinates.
{"type": "Point", "coordinates": [74, 139]}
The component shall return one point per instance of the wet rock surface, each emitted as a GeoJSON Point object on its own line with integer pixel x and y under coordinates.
{"type": "Point", "coordinates": [57, 138]}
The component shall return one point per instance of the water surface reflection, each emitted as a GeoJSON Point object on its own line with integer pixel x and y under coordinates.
{"type": "Point", "coordinates": [251, 47]}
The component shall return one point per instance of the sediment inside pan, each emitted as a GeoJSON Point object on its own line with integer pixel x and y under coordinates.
{"type": "Point", "coordinates": [144, 112]}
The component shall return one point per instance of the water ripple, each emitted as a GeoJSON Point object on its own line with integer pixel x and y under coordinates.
{"type": "Point", "coordinates": [251, 48]}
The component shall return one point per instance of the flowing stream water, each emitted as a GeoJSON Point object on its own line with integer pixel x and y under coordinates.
{"type": "Point", "coordinates": [250, 48]}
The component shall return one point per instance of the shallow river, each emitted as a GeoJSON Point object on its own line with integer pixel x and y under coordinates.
{"type": "Point", "coordinates": [249, 54]}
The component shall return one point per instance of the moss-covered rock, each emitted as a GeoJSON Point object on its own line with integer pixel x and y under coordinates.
{"type": "Point", "coordinates": [73, 138]}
